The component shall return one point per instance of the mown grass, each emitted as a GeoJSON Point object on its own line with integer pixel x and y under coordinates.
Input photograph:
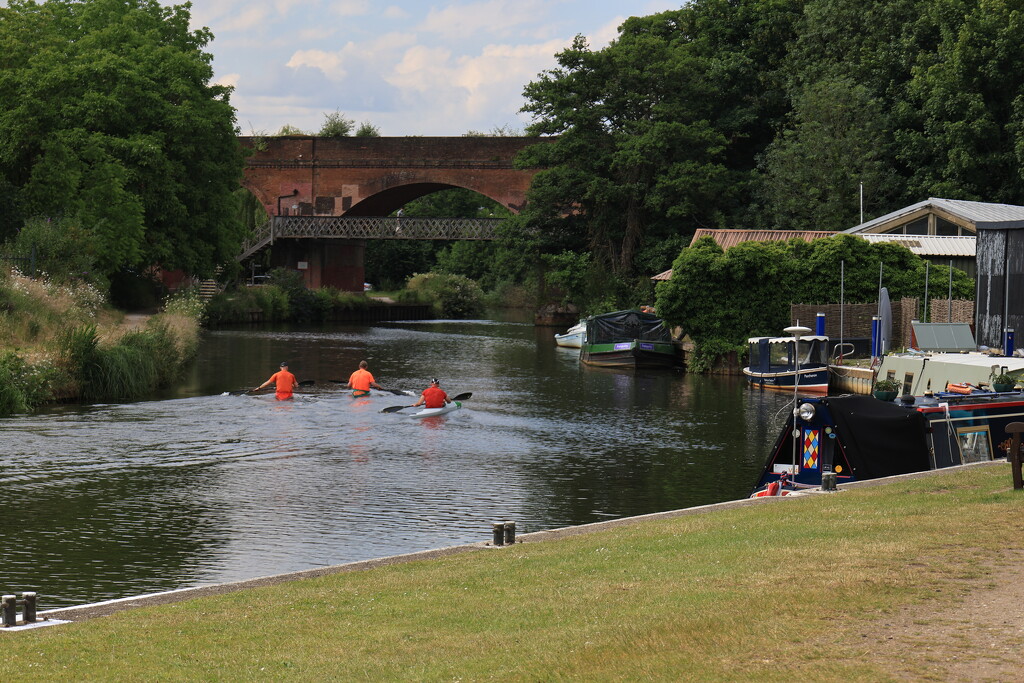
{"type": "Point", "coordinates": [775, 591]}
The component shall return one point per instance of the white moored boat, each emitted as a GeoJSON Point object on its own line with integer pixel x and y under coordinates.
{"type": "Point", "coordinates": [573, 337]}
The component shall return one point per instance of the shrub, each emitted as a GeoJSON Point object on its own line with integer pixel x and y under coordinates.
{"type": "Point", "coordinates": [452, 296]}
{"type": "Point", "coordinates": [185, 302]}
{"type": "Point", "coordinates": [23, 386]}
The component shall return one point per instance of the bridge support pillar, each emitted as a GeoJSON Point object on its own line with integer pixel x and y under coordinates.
{"type": "Point", "coordinates": [323, 263]}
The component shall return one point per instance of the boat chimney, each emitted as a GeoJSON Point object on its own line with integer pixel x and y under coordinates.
{"type": "Point", "coordinates": [820, 326]}
{"type": "Point", "coordinates": [1008, 341]}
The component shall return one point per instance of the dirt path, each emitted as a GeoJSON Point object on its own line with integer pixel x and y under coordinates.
{"type": "Point", "coordinates": [979, 640]}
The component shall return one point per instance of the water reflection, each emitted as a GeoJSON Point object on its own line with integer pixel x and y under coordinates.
{"type": "Point", "coordinates": [200, 487]}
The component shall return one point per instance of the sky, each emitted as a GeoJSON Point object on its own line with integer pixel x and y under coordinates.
{"type": "Point", "coordinates": [408, 67]}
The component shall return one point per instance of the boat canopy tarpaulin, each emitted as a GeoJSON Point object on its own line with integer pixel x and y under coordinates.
{"type": "Point", "coordinates": [623, 326]}
{"type": "Point", "coordinates": [869, 428]}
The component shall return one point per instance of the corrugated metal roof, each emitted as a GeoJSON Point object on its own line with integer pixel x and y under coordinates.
{"type": "Point", "coordinates": [984, 215]}
{"type": "Point", "coordinates": [929, 245]}
{"type": "Point", "coordinates": [730, 238]}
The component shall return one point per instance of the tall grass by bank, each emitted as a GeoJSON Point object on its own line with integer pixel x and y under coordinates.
{"type": "Point", "coordinates": [285, 298]}
{"type": "Point", "coordinates": [782, 590]}
{"type": "Point", "coordinates": [60, 342]}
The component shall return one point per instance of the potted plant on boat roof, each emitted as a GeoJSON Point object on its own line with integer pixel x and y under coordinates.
{"type": "Point", "coordinates": [1002, 381]}
{"type": "Point", "coordinates": [887, 389]}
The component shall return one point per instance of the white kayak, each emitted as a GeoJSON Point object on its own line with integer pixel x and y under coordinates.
{"type": "Point", "coordinates": [431, 412]}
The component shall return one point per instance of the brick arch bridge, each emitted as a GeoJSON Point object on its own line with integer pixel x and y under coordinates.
{"type": "Point", "coordinates": [327, 181]}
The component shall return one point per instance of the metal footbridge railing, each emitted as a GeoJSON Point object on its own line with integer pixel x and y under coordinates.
{"type": "Point", "coordinates": [369, 227]}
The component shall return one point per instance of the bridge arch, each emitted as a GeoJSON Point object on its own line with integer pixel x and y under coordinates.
{"type": "Point", "coordinates": [374, 176]}
{"type": "Point", "coordinates": [299, 175]}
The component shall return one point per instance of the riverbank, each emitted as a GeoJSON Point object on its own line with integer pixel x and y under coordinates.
{"type": "Point", "coordinates": [873, 583]}
{"type": "Point", "coordinates": [62, 342]}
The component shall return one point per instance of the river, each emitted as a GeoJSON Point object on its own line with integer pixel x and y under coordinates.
{"type": "Point", "coordinates": [197, 486]}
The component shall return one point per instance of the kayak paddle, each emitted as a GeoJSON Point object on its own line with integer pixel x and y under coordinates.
{"type": "Point", "coordinates": [460, 397]}
{"type": "Point", "coordinates": [396, 392]}
{"type": "Point", "coordinates": [303, 383]}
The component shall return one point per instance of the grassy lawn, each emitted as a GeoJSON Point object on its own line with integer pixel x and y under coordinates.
{"type": "Point", "coordinates": [762, 592]}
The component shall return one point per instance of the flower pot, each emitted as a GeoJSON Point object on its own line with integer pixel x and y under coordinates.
{"type": "Point", "coordinates": [886, 395]}
{"type": "Point", "coordinates": [1002, 387]}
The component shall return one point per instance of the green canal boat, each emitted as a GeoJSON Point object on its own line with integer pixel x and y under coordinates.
{"type": "Point", "coordinates": [629, 339]}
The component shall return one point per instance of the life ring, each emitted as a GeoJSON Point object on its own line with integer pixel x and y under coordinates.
{"type": "Point", "coordinates": [961, 388]}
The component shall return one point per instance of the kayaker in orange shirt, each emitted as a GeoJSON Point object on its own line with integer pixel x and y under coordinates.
{"type": "Point", "coordinates": [433, 396]}
{"type": "Point", "coordinates": [285, 383]}
{"type": "Point", "coordinates": [361, 380]}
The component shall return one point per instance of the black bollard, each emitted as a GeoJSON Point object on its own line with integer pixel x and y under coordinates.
{"type": "Point", "coordinates": [1015, 429]}
{"type": "Point", "coordinates": [510, 533]}
{"type": "Point", "coordinates": [29, 612]}
{"type": "Point", "coordinates": [498, 533]}
{"type": "Point", "coordinates": [10, 610]}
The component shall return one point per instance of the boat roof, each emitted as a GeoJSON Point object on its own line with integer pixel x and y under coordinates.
{"type": "Point", "coordinates": [780, 340]}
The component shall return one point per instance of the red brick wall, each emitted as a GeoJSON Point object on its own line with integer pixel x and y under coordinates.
{"type": "Point", "coordinates": [375, 176]}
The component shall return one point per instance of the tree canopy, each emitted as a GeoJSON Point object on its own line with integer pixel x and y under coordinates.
{"type": "Point", "coordinates": [771, 114]}
{"type": "Point", "coordinates": [109, 118]}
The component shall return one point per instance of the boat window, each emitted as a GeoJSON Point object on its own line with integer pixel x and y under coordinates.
{"type": "Point", "coordinates": [806, 354]}
{"type": "Point", "coordinates": [778, 354]}
{"type": "Point", "coordinates": [975, 443]}
{"type": "Point", "coordinates": [908, 383]}
{"type": "Point", "coordinates": [755, 355]}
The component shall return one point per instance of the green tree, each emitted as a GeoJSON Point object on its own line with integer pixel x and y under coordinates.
{"type": "Point", "coordinates": [963, 127]}
{"type": "Point", "coordinates": [658, 132]}
{"type": "Point", "coordinates": [367, 130]}
{"type": "Point", "coordinates": [109, 117]}
{"type": "Point", "coordinates": [289, 129]}
{"type": "Point", "coordinates": [814, 171]}
{"type": "Point", "coordinates": [336, 125]}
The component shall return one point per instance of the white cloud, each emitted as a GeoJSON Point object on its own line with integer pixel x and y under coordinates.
{"type": "Point", "coordinates": [230, 80]}
{"type": "Point", "coordinates": [492, 17]}
{"type": "Point", "coordinates": [395, 12]}
{"type": "Point", "coordinates": [350, 8]}
{"type": "Point", "coordinates": [330, 63]}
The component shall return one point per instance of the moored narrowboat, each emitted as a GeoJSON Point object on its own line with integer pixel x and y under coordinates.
{"type": "Point", "coordinates": [778, 363]}
{"type": "Point", "coordinates": [860, 437]}
{"type": "Point", "coordinates": [629, 339]}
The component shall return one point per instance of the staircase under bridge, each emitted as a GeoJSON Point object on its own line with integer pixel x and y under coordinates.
{"type": "Point", "coordinates": [368, 228]}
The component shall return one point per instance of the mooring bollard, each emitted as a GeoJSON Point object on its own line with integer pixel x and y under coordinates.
{"type": "Point", "coordinates": [510, 533]}
{"type": "Point", "coordinates": [498, 533]}
{"type": "Point", "coordinates": [10, 610]}
{"type": "Point", "coordinates": [28, 615]}
{"type": "Point", "coordinates": [828, 481]}
{"type": "Point", "coordinates": [1014, 429]}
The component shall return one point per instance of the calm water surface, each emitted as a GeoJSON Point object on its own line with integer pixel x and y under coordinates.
{"type": "Point", "coordinates": [197, 487]}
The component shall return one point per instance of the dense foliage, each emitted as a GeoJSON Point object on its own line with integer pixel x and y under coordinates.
{"type": "Point", "coordinates": [768, 113]}
{"type": "Point", "coordinates": [746, 291]}
{"type": "Point", "coordinates": [108, 120]}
